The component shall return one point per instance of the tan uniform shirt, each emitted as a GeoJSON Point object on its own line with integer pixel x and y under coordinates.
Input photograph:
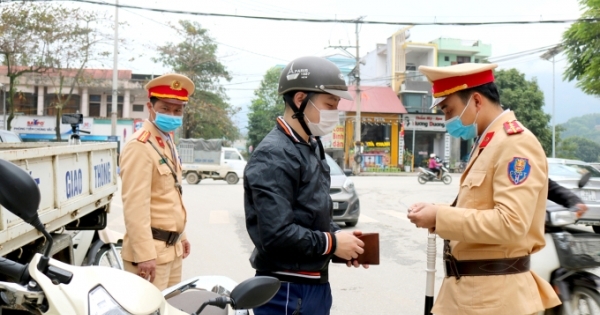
{"type": "Point", "coordinates": [500, 213]}
{"type": "Point", "coordinates": [150, 198]}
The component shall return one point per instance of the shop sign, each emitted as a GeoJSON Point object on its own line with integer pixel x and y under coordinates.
{"type": "Point", "coordinates": [372, 144]}
{"type": "Point", "coordinates": [137, 124]}
{"type": "Point", "coordinates": [45, 125]}
{"type": "Point", "coordinates": [424, 122]}
{"type": "Point", "coordinates": [447, 147]}
{"type": "Point", "coordinates": [334, 140]}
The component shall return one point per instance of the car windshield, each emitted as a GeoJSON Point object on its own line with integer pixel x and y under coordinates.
{"type": "Point", "coordinates": [571, 170]}
{"type": "Point", "coordinates": [9, 137]}
{"type": "Point", "coordinates": [334, 167]}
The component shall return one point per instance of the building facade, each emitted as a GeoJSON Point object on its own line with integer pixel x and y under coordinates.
{"type": "Point", "coordinates": [36, 97]}
{"type": "Point", "coordinates": [452, 51]}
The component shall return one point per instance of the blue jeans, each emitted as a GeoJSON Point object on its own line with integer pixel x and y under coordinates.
{"type": "Point", "coordinates": [297, 299]}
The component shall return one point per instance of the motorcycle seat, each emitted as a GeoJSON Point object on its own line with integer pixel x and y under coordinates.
{"type": "Point", "coordinates": [190, 300]}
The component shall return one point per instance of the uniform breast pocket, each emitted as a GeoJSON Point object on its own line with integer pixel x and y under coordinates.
{"type": "Point", "coordinates": [166, 177]}
{"type": "Point", "coordinates": [473, 190]}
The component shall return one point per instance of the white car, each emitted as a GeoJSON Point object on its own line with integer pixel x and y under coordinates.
{"type": "Point", "coordinates": [567, 173]}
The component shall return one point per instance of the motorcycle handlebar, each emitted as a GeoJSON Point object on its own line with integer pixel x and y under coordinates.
{"type": "Point", "coordinates": [13, 270]}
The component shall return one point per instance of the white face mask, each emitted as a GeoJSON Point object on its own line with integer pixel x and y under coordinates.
{"type": "Point", "coordinates": [327, 122]}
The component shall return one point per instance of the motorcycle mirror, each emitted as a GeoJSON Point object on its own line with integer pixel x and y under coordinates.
{"type": "Point", "coordinates": [584, 179]}
{"type": "Point", "coordinates": [19, 193]}
{"type": "Point", "coordinates": [254, 292]}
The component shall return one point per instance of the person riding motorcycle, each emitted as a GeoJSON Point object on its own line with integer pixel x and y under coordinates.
{"type": "Point", "coordinates": [434, 166]}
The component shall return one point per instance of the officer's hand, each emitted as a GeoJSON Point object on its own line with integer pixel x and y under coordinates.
{"type": "Point", "coordinates": [354, 262]}
{"type": "Point", "coordinates": [422, 215]}
{"type": "Point", "coordinates": [186, 248]}
{"type": "Point", "coordinates": [348, 246]}
{"type": "Point", "coordinates": [147, 269]}
{"type": "Point", "coordinates": [582, 208]}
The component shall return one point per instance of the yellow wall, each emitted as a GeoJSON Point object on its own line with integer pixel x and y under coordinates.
{"type": "Point", "coordinates": [393, 119]}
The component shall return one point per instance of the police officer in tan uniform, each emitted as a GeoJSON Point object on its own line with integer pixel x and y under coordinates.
{"type": "Point", "coordinates": [497, 220]}
{"type": "Point", "coordinates": [154, 243]}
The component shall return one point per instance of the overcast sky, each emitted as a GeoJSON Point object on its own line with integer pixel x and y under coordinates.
{"type": "Point", "coordinates": [249, 47]}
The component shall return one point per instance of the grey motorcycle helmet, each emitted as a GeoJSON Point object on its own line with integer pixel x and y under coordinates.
{"type": "Point", "coordinates": [311, 75]}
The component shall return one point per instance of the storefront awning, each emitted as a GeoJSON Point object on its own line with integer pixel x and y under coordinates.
{"type": "Point", "coordinates": [374, 99]}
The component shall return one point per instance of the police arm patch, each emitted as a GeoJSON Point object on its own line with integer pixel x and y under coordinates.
{"type": "Point", "coordinates": [518, 170]}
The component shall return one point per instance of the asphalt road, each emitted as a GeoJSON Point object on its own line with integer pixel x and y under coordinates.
{"type": "Point", "coordinates": [221, 246]}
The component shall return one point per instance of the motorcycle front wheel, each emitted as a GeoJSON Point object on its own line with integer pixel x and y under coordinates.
{"type": "Point", "coordinates": [584, 302]}
{"type": "Point", "coordinates": [422, 179]}
{"type": "Point", "coordinates": [447, 179]}
{"type": "Point", "coordinates": [105, 256]}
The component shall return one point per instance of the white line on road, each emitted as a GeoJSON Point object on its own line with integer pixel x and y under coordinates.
{"type": "Point", "coordinates": [366, 219]}
{"type": "Point", "coordinates": [395, 214]}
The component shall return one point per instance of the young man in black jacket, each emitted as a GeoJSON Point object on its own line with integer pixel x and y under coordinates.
{"type": "Point", "coordinates": [286, 185]}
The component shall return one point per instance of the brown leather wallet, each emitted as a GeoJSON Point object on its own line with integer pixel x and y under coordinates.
{"type": "Point", "coordinates": [371, 254]}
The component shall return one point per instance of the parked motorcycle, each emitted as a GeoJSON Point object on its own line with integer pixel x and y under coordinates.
{"type": "Point", "coordinates": [98, 248]}
{"type": "Point", "coordinates": [569, 261]}
{"type": "Point", "coordinates": [425, 175]}
{"type": "Point", "coordinates": [48, 286]}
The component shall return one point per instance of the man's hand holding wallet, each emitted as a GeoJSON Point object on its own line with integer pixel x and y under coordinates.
{"type": "Point", "coordinates": [357, 249]}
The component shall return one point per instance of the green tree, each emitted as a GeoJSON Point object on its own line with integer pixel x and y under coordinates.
{"type": "Point", "coordinates": [525, 99]}
{"type": "Point", "coordinates": [585, 126]}
{"type": "Point", "coordinates": [581, 45]}
{"type": "Point", "coordinates": [37, 38]}
{"type": "Point", "coordinates": [266, 106]}
{"type": "Point", "coordinates": [579, 148]}
{"type": "Point", "coordinates": [207, 114]}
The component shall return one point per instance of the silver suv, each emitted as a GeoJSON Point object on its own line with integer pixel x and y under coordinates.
{"type": "Point", "coordinates": [346, 206]}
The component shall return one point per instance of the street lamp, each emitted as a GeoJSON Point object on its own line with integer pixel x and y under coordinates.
{"type": "Point", "coordinates": [551, 53]}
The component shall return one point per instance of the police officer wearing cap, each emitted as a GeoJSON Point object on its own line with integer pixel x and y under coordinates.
{"type": "Point", "coordinates": [287, 203]}
{"type": "Point", "coordinates": [154, 243]}
{"type": "Point", "coordinates": [497, 219]}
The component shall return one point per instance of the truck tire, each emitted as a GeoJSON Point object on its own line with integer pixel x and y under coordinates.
{"type": "Point", "coordinates": [105, 257]}
{"type": "Point", "coordinates": [232, 179]}
{"type": "Point", "coordinates": [192, 178]}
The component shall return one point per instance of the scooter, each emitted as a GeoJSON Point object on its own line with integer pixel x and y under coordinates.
{"type": "Point", "coordinates": [425, 175]}
{"type": "Point", "coordinates": [48, 286]}
{"type": "Point", "coordinates": [569, 262]}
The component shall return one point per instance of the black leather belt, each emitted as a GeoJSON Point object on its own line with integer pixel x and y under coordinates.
{"type": "Point", "coordinates": [166, 236]}
{"type": "Point", "coordinates": [485, 267]}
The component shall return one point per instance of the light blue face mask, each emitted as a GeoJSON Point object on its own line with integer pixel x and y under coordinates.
{"type": "Point", "coordinates": [455, 127]}
{"type": "Point", "coordinates": [167, 123]}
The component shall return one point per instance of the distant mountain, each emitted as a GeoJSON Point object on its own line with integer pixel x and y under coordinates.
{"type": "Point", "coordinates": [586, 126]}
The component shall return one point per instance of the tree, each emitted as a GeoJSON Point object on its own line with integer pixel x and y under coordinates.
{"type": "Point", "coordinates": [265, 107]}
{"type": "Point", "coordinates": [581, 44]}
{"type": "Point", "coordinates": [36, 37]}
{"type": "Point", "coordinates": [525, 99]}
{"type": "Point", "coordinates": [207, 114]}
{"type": "Point", "coordinates": [579, 148]}
{"type": "Point", "coordinates": [585, 126]}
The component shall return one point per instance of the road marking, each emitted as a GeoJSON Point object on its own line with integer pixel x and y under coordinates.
{"type": "Point", "coordinates": [395, 214]}
{"type": "Point", "coordinates": [366, 219]}
{"type": "Point", "coordinates": [219, 217]}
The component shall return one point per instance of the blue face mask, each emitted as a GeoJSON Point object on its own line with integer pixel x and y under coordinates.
{"type": "Point", "coordinates": [167, 123]}
{"type": "Point", "coordinates": [455, 127]}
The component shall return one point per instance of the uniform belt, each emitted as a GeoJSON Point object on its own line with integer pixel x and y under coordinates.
{"type": "Point", "coordinates": [485, 267]}
{"type": "Point", "coordinates": [166, 236]}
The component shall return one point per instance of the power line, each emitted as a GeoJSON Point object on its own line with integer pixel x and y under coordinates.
{"type": "Point", "coordinates": [347, 21]}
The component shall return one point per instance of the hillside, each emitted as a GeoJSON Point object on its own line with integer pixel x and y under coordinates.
{"type": "Point", "coordinates": [587, 126]}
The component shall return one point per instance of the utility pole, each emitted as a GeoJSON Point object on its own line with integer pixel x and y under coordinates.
{"type": "Point", "coordinates": [115, 94]}
{"type": "Point", "coordinates": [357, 131]}
{"type": "Point", "coordinates": [356, 71]}
{"type": "Point", "coordinates": [551, 53]}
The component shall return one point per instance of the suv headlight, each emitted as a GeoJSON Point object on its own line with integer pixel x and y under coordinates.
{"type": "Point", "coordinates": [348, 185]}
{"type": "Point", "coordinates": [562, 218]}
{"type": "Point", "coordinates": [101, 303]}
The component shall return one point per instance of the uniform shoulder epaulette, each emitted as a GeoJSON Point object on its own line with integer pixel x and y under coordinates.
{"type": "Point", "coordinates": [513, 127]}
{"type": "Point", "coordinates": [144, 136]}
